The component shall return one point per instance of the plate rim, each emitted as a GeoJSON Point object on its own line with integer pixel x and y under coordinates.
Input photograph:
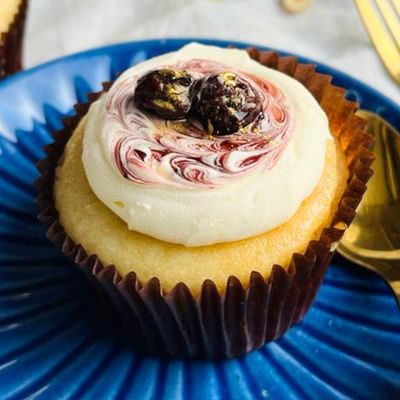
{"type": "Point", "coordinates": [206, 40]}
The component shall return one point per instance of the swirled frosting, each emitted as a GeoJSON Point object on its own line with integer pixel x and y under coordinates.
{"type": "Point", "coordinates": [172, 181]}
{"type": "Point", "coordinates": [150, 150]}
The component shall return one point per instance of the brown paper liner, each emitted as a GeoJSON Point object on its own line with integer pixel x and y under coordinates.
{"type": "Point", "coordinates": [11, 43]}
{"type": "Point", "coordinates": [230, 324]}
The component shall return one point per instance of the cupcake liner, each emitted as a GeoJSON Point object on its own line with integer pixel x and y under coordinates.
{"type": "Point", "coordinates": [11, 43]}
{"type": "Point", "coordinates": [218, 325]}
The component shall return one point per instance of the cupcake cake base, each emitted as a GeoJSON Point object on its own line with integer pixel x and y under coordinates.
{"type": "Point", "coordinates": [11, 40]}
{"type": "Point", "coordinates": [89, 222]}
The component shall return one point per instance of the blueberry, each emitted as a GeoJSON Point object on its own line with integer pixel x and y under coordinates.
{"type": "Point", "coordinates": [165, 92]}
{"type": "Point", "coordinates": [225, 103]}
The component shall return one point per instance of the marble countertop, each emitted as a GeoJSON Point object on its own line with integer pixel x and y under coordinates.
{"type": "Point", "coordinates": [329, 31]}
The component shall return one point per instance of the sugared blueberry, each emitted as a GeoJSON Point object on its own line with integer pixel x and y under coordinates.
{"type": "Point", "coordinates": [226, 103]}
{"type": "Point", "coordinates": [165, 92]}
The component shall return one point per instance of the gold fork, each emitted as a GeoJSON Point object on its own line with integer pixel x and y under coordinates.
{"type": "Point", "coordinates": [382, 21]}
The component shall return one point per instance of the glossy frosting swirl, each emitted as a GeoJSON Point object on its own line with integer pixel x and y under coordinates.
{"type": "Point", "coordinates": [150, 150]}
{"type": "Point", "coordinates": [170, 181]}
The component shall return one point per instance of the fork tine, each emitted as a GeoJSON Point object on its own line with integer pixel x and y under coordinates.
{"type": "Point", "coordinates": [396, 4]}
{"type": "Point", "coordinates": [382, 40]}
{"type": "Point", "coordinates": [390, 18]}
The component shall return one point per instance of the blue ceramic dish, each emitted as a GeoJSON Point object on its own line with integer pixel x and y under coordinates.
{"type": "Point", "coordinates": [54, 346]}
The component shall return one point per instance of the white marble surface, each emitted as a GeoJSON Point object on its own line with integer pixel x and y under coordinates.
{"type": "Point", "coordinates": [330, 31]}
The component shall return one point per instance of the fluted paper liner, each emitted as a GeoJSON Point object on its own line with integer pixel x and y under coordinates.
{"type": "Point", "coordinates": [230, 324]}
{"type": "Point", "coordinates": [11, 43]}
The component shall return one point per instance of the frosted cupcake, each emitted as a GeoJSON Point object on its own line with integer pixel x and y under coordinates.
{"type": "Point", "coordinates": [12, 22]}
{"type": "Point", "coordinates": [214, 187]}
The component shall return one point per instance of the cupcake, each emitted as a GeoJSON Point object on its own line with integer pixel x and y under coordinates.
{"type": "Point", "coordinates": [12, 22]}
{"type": "Point", "coordinates": [204, 191]}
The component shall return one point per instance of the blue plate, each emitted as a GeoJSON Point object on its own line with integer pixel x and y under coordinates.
{"type": "Point", "coordinates": [55, 342]}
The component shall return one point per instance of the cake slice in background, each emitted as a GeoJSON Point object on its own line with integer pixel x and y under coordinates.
{"type": "Point", "coordinates": [12, 23]}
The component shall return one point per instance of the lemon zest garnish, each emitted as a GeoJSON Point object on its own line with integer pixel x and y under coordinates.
{"type": "Point", "coordinates": [164, 104]}
{"type": "Point", "coordinates": [210, 128]}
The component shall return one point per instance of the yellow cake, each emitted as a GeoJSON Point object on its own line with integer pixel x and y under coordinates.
{"type": "Point", "coordinates": [90, 223]}
{"type": "Point", "coordinates": [8, 11]}
{"type": "Point", "coordinates": [12, 21]}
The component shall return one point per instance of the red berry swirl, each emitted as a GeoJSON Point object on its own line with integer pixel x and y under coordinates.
{"type": "Point", "coordinates": [150, 150]}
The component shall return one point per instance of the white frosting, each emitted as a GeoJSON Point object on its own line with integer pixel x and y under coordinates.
{"type": "Point", "coordinates": [239, 208]}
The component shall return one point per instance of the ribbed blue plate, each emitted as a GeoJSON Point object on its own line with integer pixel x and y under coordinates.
{"type": "Point", "coordinates": [56, 342]}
